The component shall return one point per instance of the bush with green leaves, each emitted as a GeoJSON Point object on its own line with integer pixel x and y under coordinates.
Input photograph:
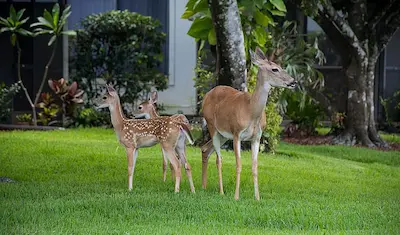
{"type": "Point", "coordinates": [124, 49]}
{"type": "Point", "coordinates": [306, 115]}
{"type": "Point", "coordinates": [271, 134]}
{"type": "Point", "coordinates": [6, 98]}
{"type": "Point", "coordinates": [90, 117]}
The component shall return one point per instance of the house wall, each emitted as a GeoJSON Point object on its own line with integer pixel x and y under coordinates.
{"type": "Point", "coordinates": [179, 53]}
{"type": "Point", "coordinates": [180, 97]}
{"type": "Point", "coordinates": [390, 81]}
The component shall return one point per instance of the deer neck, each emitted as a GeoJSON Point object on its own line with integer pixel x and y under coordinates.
{"type": "Point", "coordinates": [260, 96]}
{"type": "Point", "coordinates": [153, 113]}
{"type": "Point", "coordinates": [117, 116]}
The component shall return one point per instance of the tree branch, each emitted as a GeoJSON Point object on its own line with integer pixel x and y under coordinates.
{"type": "Point", "coordinates": [335, 37]}
{"type": "Point", "coordinates": [376, 19]}
{"type": "Point", "coordinates": [388, 30]}
{"type": "Point", "coordinates": [343, 26]}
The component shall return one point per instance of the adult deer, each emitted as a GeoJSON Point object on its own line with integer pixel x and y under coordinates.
{"type": "Point", "coordinates": [148, 109]}
{"type": "Point", "coordinates": [134, 134]}
{"type": "Point", "coordinates": [232, 114]}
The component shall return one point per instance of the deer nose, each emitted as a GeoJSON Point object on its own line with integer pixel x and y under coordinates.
{"type": "Point", "coordinates": [293, 84]}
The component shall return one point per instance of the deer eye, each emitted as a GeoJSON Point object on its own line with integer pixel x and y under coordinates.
{"type": "Point", "coordinates": [140, 107]}
{"type": "Point", "coordinates": [104, 97]}
{"type": "Point", "coordinates": [275, 70]}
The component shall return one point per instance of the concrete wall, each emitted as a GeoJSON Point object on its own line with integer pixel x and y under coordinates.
{"type": "Point", "coordinates": [181, 94]}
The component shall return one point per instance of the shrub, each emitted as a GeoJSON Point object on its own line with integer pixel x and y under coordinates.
{"type": "Point", "coordinates": [305, 112]}
{"type": "Point", "coordinates": [204, 80]}
{"type": "Point", "coordinates": [124, 49]}
{"type": "Point", "coordinates": [89, 117]}
{"type": "Point", "coordinates": [271, 134]}
{"type": "Point", "coordinates": [6, 97]}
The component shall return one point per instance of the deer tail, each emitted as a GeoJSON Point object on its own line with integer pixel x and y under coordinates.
{"type": "Point", "coordinates": [186, 130]}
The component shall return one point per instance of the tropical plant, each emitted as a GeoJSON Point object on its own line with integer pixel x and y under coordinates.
{"type": "Point", "coordinates": [305, 113]}
{"type": "Point", "coordinates": [69, 95]}
{"type": "Point", "coordinates": [48, 109]}
{"type": "Point", "coordinates": [6, 97]}
{"type": "Point", "coordinates": [255, 17]}
{"type": "Point", "coordinates": [52, 24]}
{"type": "Point", "coordinates": [124, 49]}
{"type": "Point", "coordinates": [24, 118]}
{"type": "Point", "coordinates": [14, 25]}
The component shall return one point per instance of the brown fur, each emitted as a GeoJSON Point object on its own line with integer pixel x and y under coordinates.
{"type": "Point", "coordinates": [134, 134]}
{"type": "Point", "coordinates": [232, 114]}
{"type": "Point", "coordinates": [148, 109]}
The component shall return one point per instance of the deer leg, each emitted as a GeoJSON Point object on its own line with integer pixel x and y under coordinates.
{"type": "Point", "coordinates": [164, 166]}
{"type": "Point", "coordinates": [218, 141]}
{"type": "Point", "coordinates": [131, 155]}
{"type": "Point", "coordinates": [255, 147]}
{"type": "Point", "coordinates": [206, 151]}
{"type": "Point", "coordinates": [172, 171]}
{"type": "Point", "coordinates": [180, 149]}
{"type": "Point", "coordinates": [170, 152]}
{"type": "Point", "coordinates": [236, 147]}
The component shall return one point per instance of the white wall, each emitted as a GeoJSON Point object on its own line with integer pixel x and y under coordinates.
{"type": "Point", "coordinates": [181, 94]}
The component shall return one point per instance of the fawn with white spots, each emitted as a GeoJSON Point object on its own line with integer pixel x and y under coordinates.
{"type": "Point", "coordinates": [147, 109]}
{"type": "Point", "coordinates": [232, 114]}
{"type": "Point", "coordinates": [134, 134]}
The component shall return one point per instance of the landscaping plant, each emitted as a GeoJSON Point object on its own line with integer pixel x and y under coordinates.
{"type": "Point", "coordinates": [123, 49]}
{"type": "Point", "coordinates": [70, 96]}
{"type": "Point", "coordinates": [51, 23]}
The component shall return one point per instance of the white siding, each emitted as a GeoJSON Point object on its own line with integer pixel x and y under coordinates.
{"type": "Point", "coordinates": [181, 94]}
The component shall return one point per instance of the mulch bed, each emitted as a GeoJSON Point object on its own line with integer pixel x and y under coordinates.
{"type": "Point", "coordinates": [327, 140]}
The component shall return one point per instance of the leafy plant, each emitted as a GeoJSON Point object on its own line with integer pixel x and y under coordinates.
{"type": "Point", "coordinates": [271, 134]}
{"type": "Point", "coordinates": [124, 49]}
{"type": "Point", "coordinates": [49, 109]}
{"type": "Point", "coordinates": [305, 112]}
{"type": "Point", "coordinates": [204, 79]}
{"type": "Point", "coordinates": [255, 17]}
{"type": "Point", "coordinates": [337, 121]}
{"type": "Point", "coordinates": [26, 117]}
{"type": "Point", "coordinates": [69, 95]}
{"type": "Point", "coordinates": [6, 97]}
{"type": "Point", "coordinates": [52, 24]}
{"type": "Point", "coordinates": [89, 117]}
{"type": "Point", "coordinates": [392, 101]}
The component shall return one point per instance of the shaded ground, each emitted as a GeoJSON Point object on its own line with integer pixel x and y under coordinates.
{"type": "Point", "coordinates": [327, 140]}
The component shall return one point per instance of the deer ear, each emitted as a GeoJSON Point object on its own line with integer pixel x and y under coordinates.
{"type": "Point", "coordinates": [153, 97]}
{"type": "Point", "coordinates": [111, 90]}
{"type": "Point", "coordinates": [258, 57]}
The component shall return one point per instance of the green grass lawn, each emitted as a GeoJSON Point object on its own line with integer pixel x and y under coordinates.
{"type": "Point", "coordinates": [75, 182]}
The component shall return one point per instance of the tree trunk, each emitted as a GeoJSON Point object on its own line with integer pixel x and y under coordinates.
{"type": "Point", "coordinates": [231, 58]}
{"type": "Point", "coordinates": [360, 122]}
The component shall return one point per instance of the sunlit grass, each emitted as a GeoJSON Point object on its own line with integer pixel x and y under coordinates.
{"type": "Point", "coordinates": [74, 182]}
